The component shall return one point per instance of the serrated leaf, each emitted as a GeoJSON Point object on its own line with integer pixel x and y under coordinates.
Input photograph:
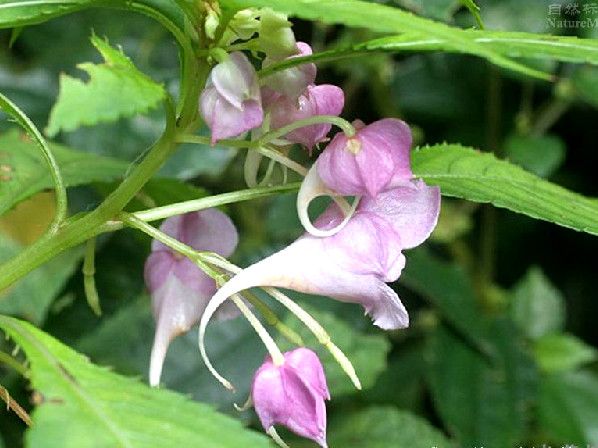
{"type": "Point", "coordinates": [481, 177]}
{"type": "Point", "coordinates": [386, 19]}
{"type": "Point", "coordinates": [367, 352]}
{"type": "Point", "coordinates": [537, 307]}
{"type": "Point", "coordinates": [505, 43]}
{"type": "Point", "coordinates": [482, 402]}
{"type": "Point", "coordinates": [88, 406]}
{"type": "Point", "coordinates": [560, 352]}
{"type": "Point", "coordinates": [568, 408]}
{"type": "Point", "coordinates": [383, 427]}
{"type": "Point", "coordinates": [115, 89]}
{"type": "Point", "coordinates": [23, 171]}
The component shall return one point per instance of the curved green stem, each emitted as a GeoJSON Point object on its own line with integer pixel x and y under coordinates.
{"type": "Point", "coordinates": [60, 190]}
{"type": "Point", "coordinates": [345, 126]}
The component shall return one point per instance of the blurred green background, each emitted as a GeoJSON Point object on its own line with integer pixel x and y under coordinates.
{"type": "Point", "coordinates": [501, 350]}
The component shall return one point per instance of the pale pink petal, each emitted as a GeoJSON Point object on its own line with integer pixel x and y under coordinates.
{"type": "Point", "coordinates": [235, 79]}
{"type": "Point", "coordinates": [412, 211]}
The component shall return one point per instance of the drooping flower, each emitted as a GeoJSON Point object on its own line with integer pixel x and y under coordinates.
{"type": "Point", "coordinates": [231, 102]}
{"type": "Point", "coordinates": [292, 395]}
{"type": "Point", "coordinates": [324, 99]}
{"type": "Point", "coordinates": [354, 264]}
{"type": "Point", "coordinates": [293, 81]}
{"type": "Point", "coordinates": [179, 289]}
{"type": "Point", "coordinates": [376, 158]}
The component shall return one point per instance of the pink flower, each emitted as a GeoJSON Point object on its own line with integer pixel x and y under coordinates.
{"type": "Point", "coordinates": [180, 291]}
{"type": "Point", "coordinates": [354, 264]}
{"type": "Point", "coordinates": [292, 395]}
{"type": "Point", "coordinates": [375, 159]}
{"type": "Point", "coordinates": [293, 81]}
{"type": "Point", "coordinates": [325, 99]}
{"type": "Point", "coordinates": [231, 101]}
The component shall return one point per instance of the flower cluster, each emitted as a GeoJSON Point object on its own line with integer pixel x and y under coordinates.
{"type": "Point", "coordinates": [349, 253]}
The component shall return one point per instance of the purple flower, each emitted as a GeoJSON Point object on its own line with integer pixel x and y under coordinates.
{"type": "Point", "coordinates": [231, 102]}
{"type": "Point", "coordinates": [293, 81]}
{"type": "Point", "coordinates": [354, 264]}
{"type": "Point", "coordinates": [325, 99]}
{"type": "Point", "coordinates": [375, 159]}
{"type": "Point", "coordinates": [180, 290]}
{"type": "Point", "coordinates": [292, 395]}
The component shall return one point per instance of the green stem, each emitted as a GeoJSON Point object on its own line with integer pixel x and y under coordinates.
{"type": "Point", "coordinates": [5, 358]}
{"type": "Point", "coordinates": [89, 282]}
{"type": "Point", "coordinates": [60, 190]}
{"type": "Point", "coordinates": [14, 406]}
{"type": "Point", "coordinates": [205, 261]}
{"type": "Point", "coordinates": [201, 140]}
{"type": "Point", "coordinates": [76, 231]}
{"type": "Point", "coordinates": [346, 127]}
{"type": "Point", "coordinates": [195, 205]}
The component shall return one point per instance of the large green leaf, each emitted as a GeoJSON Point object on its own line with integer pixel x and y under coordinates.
{"type": "Point", "coordinates": [482, 402]}
{"type": "Point", "coordinates": [508, 44]}
{"type": "Point", "coordinates": [386, 19]}
{"type": "Point", "coordinates": [25, 173]}
{"type": "Point", "coordinates": [481, 177]}
{"type": "Point", "coordinates": [367, 352]}
{"type": "Point", "coordinates": [89, 406]}
{"type": "Point", "coordinates": [115, 89]}
{"type": "Point", "coordinates": [384, 427]}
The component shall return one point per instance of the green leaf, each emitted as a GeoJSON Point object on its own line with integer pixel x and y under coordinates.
{"type": "Point", "coordinates": [31, 297]}
{"type": "Point", "coordinates": [537, 307]}
{"type": "Point", "coordinates": [15, 13]}
{"type": "Point", "coordinates": [233, 347]}
{"type": "Point", "coordinates": [507, 44]}
{"type": "Point", "coordinates": [367, 352]}
{"type": "Point", "coordinates": [568, 407]}
{"type": "Point", "coordinates": [24, 172]}
{"type": "Point", "coordinates": [383, 427]}
{"type": "Point", "coordinates": [115, 89]}
{"type": "Point", "coordinates": [481, 177]}
{"type": "Point", "coordinates": [558, 352]}
{"type": "Point", "coordinates": [89, 406]}
{"type": "Point", "coordinates": [386, 19]}
{"type": "Point", "coordinates": [483, 403]}
{"type": "Point", "coordinates": [541, 155]}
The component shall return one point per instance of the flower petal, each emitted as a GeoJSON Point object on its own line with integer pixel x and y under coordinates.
{"type": "Point", "coordinates": [235, 79]}
{"type": "Point", "coordinates": [412, 211]}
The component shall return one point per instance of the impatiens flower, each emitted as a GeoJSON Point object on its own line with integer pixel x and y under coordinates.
{"type": "Point", "coordinates": [292, 395]}
{"type": "Point", "coordinates": [375, 159]}
{"type": "Point", "coordinates": [180, 290]}
{"type": "Point", "coordinates": [354, 264]}
{"type": "Point", "coordinates": [317, 100]}
{"type": "Point", "coordinates": [231, 102]}
{"type": "Point", "coordinates": [293, 81]}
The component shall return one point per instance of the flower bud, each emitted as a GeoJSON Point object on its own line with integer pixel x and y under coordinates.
{"type": "Point", "coordinates": [231, 103]}
{"type": "Point", "coordinates": [293, 81]}
{"type": "Point", "coordinates": [276, 38]}
{"type": "Point", "coordinates": [376, 158]}
{"type": "Point", "coordinates": [179, 290]}
{"type": "Point", "coordinates": [292, 395]}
